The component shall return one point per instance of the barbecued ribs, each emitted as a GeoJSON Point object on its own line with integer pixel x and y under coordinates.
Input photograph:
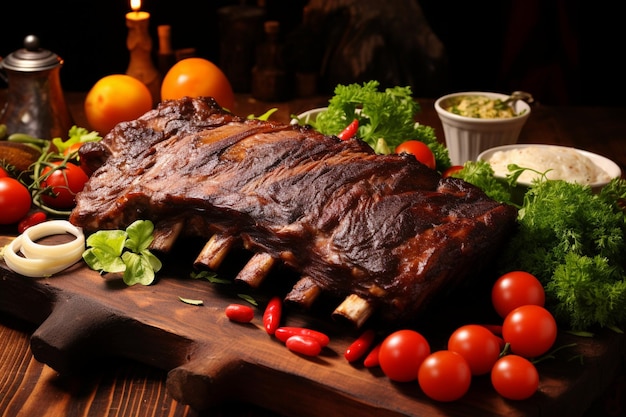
{"type": "Point", "coordinates": [384, 231]}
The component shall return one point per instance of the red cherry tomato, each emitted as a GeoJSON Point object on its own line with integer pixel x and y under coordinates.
{"type": "Point", "coordinates": [529, 330]}
{"type": "Point", "coordinates": [65, 183]}
{"type": "Point", "coordinates": [360, 346]}
{"type": "Point", "coordinates": [15, 200]}
{"type": "Point", "coordinates": [31, 220]}
{"type": "Point", "coordinates": [479, 347]}
{"type": "Point", "coordinates": [284, 333]}
{"type": "Point", "coordinates": [419, 150]}
{"type": "Point", "coordinates": [304, 345]}
{"type": "Point", "coordinates": [4, 173]}
{"type": "Point", "coordinates": [451, 171]}
{"type": "Point", "coordinates": [272, 315]}
{"type": "Point", "coordinates": [239, 313]}
{"type": "Point", "coordinates": [515, 289]}
{"type": "Point", "coordinates": [402, 353]}
{"type": "Point", "coordinates": [514, 377]}
{"type": "Point", "coordinates": [444, 376]}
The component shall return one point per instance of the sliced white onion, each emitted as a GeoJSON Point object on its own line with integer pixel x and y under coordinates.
{"type": "Point", "coordinates": [44, 260]}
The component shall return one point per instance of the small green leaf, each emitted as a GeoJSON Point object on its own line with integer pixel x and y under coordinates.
{"type": "Point", "coordinates": [191, 301]}
{"type": "Point", "coordinates": [103, 260]}
{"type": "Point", "coordinates": [248, 298]}
{"type": "Point", "coordinates": [111, 241]}
{"type": "Point", "coordinates": [139, 235]}
{"type": "Point", "coordinates": [138, 269]}
{"type": "Point", "coordinates": [209, 276]}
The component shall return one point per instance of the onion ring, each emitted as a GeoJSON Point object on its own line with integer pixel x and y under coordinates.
{"type": "Point", "coordinates": [44, 260]}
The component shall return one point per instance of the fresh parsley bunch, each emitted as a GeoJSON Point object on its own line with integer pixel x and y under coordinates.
{"type": "Point", "coordinates": [386, 118]}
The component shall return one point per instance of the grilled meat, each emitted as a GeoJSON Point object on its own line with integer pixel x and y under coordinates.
{"type": "Point", "coordinates": [383, 228]}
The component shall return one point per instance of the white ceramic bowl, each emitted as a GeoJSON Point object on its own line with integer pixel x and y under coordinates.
{"type": "Point", "coordinates": [466, 137]}
{"type": "Point", "coordinates": [611, 169]}
{"type": "Point", "coordinates": [308, 115]}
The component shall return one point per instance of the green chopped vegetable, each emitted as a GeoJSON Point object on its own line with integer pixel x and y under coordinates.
{"type": "Point", "coordinates": [574, 241]}
{"type": "Point", "coordinates": [118, 251]}
{"type": "Point", "coordinates": [191, 301]}
{"type": "Point", "coordinates": [386, 118]}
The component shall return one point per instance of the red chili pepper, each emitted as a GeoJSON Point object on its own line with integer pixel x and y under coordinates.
{"type": "Point", "coordinates": [31, 220]}
{"type": "Point", "coordinates": [349, 131]}
{"type": "Point", "coordinates": [272, 315]}
{"type": "Point", "coordinates": [371, 360]}
{"type": "Point", "coordinates": [361, 345]}
{"type": "Point", "coordinates": [304, 345]}
{"type": "Point", "coordinates": [240, 313]}
{"type": "Point", "coordinates": [284, 333]}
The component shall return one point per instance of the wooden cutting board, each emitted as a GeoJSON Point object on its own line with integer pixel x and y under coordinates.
{"type": "Point", "coordinates": [83, 316]}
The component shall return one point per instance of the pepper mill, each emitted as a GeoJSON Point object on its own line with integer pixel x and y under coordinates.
{"type": "Point", "coordinates": [35, 102]}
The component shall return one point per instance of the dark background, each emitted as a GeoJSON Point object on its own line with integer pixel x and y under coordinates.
{"type": "Point", "coordinates": [564, 52]}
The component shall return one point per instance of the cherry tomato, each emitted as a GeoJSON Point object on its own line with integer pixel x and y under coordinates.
{"type": "Point", "coordinates": [239, 313]}
{"type": "Point", "coordinates": [284, 333]}
{"type": "Point", "coordinates": [371, 360]}
{"type": "Point", "coordinates": [31, 220]}
{"type": "Point", "coordinates": [529, 330]}
{"type": "Point", "coordinates": [4, 173]}
{"type": "Point", "coordinates": [402, 353]}
{"type": "Point", "coordinates": [65, 182]}
{"type": "Point", "coordinates": [451, 171]}
{"type": "Point", "coordinates": [360, 346]}
{"type": "Point", "coordinates": [15, 200]}
{"type": "Point", "coordinates": [419, 150]}
{"type": "Point", "coordinates": [479, 347]}
{"type": "Point", "coordinates": [515, 289]}
{"type": "Point", "coordinates": [514, 377]}
{"type": "Point", "coordinates": [444, 376]}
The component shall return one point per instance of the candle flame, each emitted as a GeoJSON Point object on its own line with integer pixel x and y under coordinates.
{"type": "Point", "coordinates": [135, 5]}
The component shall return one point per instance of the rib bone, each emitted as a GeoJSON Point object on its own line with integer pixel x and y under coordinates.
{"type": "Point", "coordinates": [257, 268]}
{"type": "Point", "coordinates": [165, 235]}
{"type": "Point", "coordinates": [214, 251]}
{"type": "Point", "coordinates": [304, 292]}
{"type": "Point", "coordinates": [354, 309]}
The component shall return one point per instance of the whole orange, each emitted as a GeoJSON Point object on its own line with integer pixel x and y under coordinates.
{"type": "Point", "coordinates": [116, 98]}
{"type": "Point", "coordinates": [196, 77]}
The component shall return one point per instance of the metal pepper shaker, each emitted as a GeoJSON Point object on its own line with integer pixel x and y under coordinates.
{"type": "Point", "coordinates": [35, 102]}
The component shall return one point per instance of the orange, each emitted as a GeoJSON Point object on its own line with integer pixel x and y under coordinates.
{"type": "Point", "coordinates": [116, 98]}
{"type": "Point", "coordinates": [196, 77]}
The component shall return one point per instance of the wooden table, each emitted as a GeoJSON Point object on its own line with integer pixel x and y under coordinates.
{"type": "Point", "coordinates": [119, 387]}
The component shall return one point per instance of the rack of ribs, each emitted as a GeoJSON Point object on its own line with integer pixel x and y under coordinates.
{"type": "Point", "coordinates": [383, 232]}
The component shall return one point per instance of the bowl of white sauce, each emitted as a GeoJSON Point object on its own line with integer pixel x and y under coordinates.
{"type": "Point", "coordinates": [556, 162]}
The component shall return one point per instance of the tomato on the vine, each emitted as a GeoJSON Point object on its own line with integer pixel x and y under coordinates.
{"type": "Point", "coordinates": [15, 200]}
{"type": "Point", "coordinates": [515, 289]}
{"type": "Point", "coordinates": [65, 182]}
{"type": "Point", "coordinates": [419, 150]}
{"type": "Point", "coordinates": [529, 330]}
{"type": "Point", "coordinates": [401, 353]}
{"type": "Point", "coordinates": [3, 173]}
{"type": "Point", "coordinates": [444, 376]}
{"type": "Point", "coordinates": [479, 347]}
{"type": "Point", "coordinates": [514, 377]}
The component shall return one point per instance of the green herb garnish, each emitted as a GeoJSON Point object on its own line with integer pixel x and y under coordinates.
{"type": "Point", "coordinates": [126, 252]}
{"type": "Point", "coordinates": [386, 118]}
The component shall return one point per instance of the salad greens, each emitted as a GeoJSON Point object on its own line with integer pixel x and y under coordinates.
{"type": "Point", "coordinates": [124, 251]}
{"type": "Point", "coordinates": [572, 240]}
{"type": "Point", "coordinates": [386, 118]}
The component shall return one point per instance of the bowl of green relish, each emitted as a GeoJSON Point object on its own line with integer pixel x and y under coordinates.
{"type": "Point", "coordinates": [475, 121]}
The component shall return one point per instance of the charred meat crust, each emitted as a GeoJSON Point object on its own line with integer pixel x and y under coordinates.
{"type": "Point", "coordinates": [384, 227]}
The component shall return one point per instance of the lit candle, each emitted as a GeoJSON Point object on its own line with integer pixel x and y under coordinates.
{"type": "Point", "coordinates": [137, 14]}
{"type": "Point", "coordinates": [139, 44]}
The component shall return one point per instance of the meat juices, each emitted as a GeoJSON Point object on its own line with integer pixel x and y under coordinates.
{"type": "Point", "coordinates": [384, 231]}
